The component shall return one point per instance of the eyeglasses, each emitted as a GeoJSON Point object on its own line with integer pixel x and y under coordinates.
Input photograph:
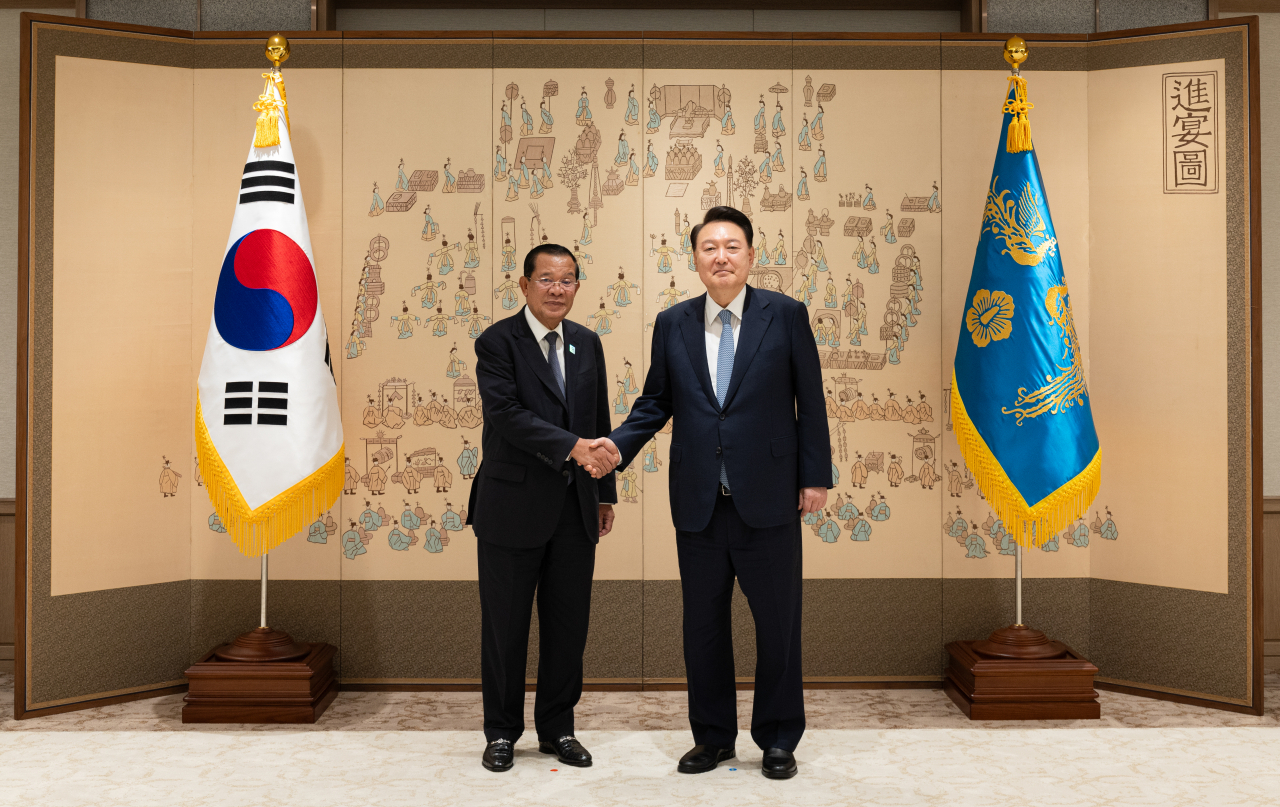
{"type": "Point", "coordinates": [547, 283]}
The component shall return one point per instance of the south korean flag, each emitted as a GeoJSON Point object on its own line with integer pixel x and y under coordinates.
{"type": "Point", "coordinates": [268, 432]}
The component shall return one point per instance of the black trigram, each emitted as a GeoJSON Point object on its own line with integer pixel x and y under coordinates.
{"type": "Point", "coordinates": [238, 407]}
{"type": "Point", "coordinates": [255, 176]}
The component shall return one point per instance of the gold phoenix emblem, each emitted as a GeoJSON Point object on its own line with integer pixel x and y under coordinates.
{"type": "Point", "coordinates": [1067, 388]}
{"type": "Point", "coordinates": [990, 317]}
{"type": "Point", "coordinates": [1019, 224]}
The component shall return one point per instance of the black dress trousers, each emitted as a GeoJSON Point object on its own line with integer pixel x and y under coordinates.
{"type": "Point", "coordinates": [767, 564]}
{"type": "Point", "coordinates": [560, 571]}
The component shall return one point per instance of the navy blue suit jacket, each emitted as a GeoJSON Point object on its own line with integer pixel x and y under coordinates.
{"type": "Point", "coordinates": [529, 430]}
{"type": "Point", "coordinates": [772, 430]}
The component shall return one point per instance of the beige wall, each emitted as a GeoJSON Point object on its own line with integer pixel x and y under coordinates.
{"type": "Point", "coordinates": [1159, 352]}
{"type": "Point", "coordinates": [122, 324]}
{"type": "Point", "coordinates": [1269, 97]}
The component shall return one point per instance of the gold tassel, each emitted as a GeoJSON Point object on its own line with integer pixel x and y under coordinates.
{"type": "Point", "coordinates": [267, 133]}
{"type": "Point", "coordinates": [257, 532]}
{"type": "Point", "coordinates": [278, 77]}
{"type": "Point", "coordinates": [1029, 525]}
{"type": "Point", "coordinates": [1019, 138]}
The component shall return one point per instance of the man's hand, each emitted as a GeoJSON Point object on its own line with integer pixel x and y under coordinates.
{"type": "Point", "coordinates": [602, 447]}
{"type": "Point", "coordinates": [606, 519]}
{"type": "Point", "coordinates": [596, 458]}
{"type": "Point", "coordinates": [811, 500]}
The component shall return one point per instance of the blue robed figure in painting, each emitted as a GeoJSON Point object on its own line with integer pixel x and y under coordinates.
{"type": "Point", "coordinates": [398, 539]}
{"type": "Point", "coordinates": [318, 534]}
{"type": "Point", "coordinates": [431, 539]}
{"type": "Point", "coordinates": [829, 531]}
{"type": "Point", "coordinates": [655, 120]}
{"type": "Point", "coordinates": [878, 511]}
{"type": "Point", "coordinates": [370, 519]}
{"type": "Point", "coordinates": [409, 519]}
{"type": "Point", "coordinates": [633, 109]}
{"type": "Point", "coordinates": [351, 543]}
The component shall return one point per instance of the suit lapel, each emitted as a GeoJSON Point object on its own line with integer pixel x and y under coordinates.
{"type": "Point", "coordinates": [755, 321]}
{"type": "Point", "coordinates": [529, 348]}
{"type": "Point", "coordinates": [693, 328]}
{"type": "Point", "coordinates": [571, 365]}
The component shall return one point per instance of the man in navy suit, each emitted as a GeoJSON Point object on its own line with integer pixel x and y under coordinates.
{"type": "Point", "coordinates": [737, 369]}
{"type": "Point", "coordinates": [537, 513]}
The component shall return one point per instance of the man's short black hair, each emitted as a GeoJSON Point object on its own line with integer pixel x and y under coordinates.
{"type": "Point", "coordinates": [554, 250]}
{"type": "Point", "coordinates": [725, 213]}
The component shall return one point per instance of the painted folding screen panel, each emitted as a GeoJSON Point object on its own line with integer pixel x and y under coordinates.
{"type": "Point", "coordinates": [434, 164]}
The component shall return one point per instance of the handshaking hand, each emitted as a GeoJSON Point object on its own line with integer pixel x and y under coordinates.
{"type": "Point", "coordinates": [598, 457]}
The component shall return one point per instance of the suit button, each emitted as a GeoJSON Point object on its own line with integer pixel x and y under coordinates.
{"type": "Point", "coordinates": [717, 451]}
{"type": "Point", "coordinates": [722, 416]}
{"type": "Point", "coordinates": [566, 474]}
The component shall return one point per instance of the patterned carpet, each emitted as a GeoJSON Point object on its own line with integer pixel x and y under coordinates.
{"type": "Point", "coordinates": [873, 747]}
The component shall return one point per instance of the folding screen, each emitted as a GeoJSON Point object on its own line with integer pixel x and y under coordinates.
{"type": "Point", "coordinates": [432, 163]}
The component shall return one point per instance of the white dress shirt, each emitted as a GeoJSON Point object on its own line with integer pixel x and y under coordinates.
{"type": "Point", "coordinates": [540, 332]}
{"type": "Point", "coordinates": [712, 326]}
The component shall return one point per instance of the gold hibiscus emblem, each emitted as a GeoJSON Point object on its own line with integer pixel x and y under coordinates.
{"type": "Point", "coordinates": [990, 318]}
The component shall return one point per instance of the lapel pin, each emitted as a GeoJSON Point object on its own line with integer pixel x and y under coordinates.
{"type": "Point", "coordinates": [573, 350]}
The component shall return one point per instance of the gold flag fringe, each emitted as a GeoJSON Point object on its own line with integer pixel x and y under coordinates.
{"type": "Point", "coordinates": [257, 532]}
{"type": "Point", "coordinates": [1019, 138]}
{"type": "Point", "coordinates": [1029, 525]}
{"type": "Point", "coordinates": [267, 133]}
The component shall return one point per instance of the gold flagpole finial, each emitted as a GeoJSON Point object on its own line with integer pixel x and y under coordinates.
{"type": "Point", "coordinates": [278, 50]}
{"type": "Point", "coordinates": [1015, 52]}
{"type": "Point", "coordinates": [269, 109]}
{"type": "Point", "coordinates": [1019, 135]}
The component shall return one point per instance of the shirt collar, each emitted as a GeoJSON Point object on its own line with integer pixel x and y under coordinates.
{"type": "Point", "coordinates": [734, 307]}
{"type": "Point", "coordinates": [540, 331]}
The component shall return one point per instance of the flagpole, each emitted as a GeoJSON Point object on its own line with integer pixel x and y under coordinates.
{"type": "Point", "coordinates": [1017, 672]}
{"type": "Point", "coordinates": [1014, 68]}
{"type": "Point", "coordinates": [271, 138]}
{"type": "Point", "coordinates": [262, 620]}
{"type": "Point", "coordinates": [1018, 587]}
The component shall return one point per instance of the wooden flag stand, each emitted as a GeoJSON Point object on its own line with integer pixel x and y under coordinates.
{"type": "Point", "coordinates": [264, 676]}
{"type": "Point", "coordinates": [1018, 673]}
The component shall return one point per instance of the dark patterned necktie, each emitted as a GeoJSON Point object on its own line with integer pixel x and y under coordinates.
{"type": "Point", "coordinates": [554, 360]}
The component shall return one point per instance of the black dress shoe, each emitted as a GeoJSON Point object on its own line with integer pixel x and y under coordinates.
{"type": "Point", "coordinates": [703, 758]}
{"type": "Point", "coordinates": [778, 764]}
{"type": "Point", "coordinates": [498, 756]}
{"type": "Point", "coordinates": [568, 750]}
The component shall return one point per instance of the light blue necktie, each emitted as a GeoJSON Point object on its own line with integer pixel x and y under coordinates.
{"type": "Point", "coordinates": [724, 372]}
{"type": "Point", "coordinates": [554, 360]}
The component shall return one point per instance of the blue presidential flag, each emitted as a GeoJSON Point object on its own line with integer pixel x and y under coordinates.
{"type": "Point", "coordinates": [1020, 404]}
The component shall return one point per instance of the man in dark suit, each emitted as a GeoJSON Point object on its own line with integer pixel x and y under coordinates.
{"type": "Point", "coordinates": [537, 513]}
{"type": "Point", "coordinates": [738, 371]}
